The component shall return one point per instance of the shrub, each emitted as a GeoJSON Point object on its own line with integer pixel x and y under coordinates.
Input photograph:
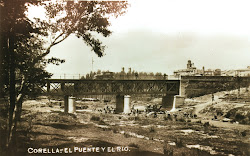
{"type": "Point", "coordinates": [199, 121]}
{"type": "Point", "coordinates": [168, 150]}
{"type": "Point", "coordinates": [206, 124]}
{"type": "Point", "coordinates": [182, 120]}
{"type": "Point", "coordinates": [137, 118]}
{"type": "Point", "coordinates": [115, 130]}
{"type": "Point", "coordinates": [244, 133]}
{"type": "Point", "coordinates": [152, 129]}
{"type": "Point", "coordinates": [95, 118]}
{"type": "Point", "coordinates": [179, 143]}
{"type": "Point", "coordinates": [239, 116]}
{"type": "Point", "coordinates": [168, 117]}
{"type": "Point", "coordinates": [126, 135]}
{"type": "Point", "coordinates": [241, 133]}
{"type": "Point", "coordinates": [244, 121]}
{"type": "Point", "coordinates": [133, 145]}
{"type": "Point", "coordinates": [101, 122]}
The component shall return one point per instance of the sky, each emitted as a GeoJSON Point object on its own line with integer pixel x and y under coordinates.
{"type": "Point", "coordinates": [162, 35]}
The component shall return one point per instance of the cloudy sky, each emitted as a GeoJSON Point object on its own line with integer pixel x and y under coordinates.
{"type": "Point", "coordinates": [161, 35]}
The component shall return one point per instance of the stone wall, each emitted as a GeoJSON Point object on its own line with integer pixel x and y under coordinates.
{"type": "Point", "coordinates": [193, 86]}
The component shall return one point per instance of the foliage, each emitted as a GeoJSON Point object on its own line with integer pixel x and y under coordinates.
{"type": "Point", "coordinates": [239, 114]}
{"type": "Point", "coordinates": [133, 145]}
{"type": "Point", "coordinates": [80, 19]}
{"type": "Point", "coordinates": [152, 129]}
{"type": "Point", "coordinates": [26, 42]}
{"type": "Point", "coordinates": [127, 75]}
{"type": "Point", "coordinates": [95, 118]}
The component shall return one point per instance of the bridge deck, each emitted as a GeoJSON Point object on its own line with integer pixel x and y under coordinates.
{"type": "Point", "coordinates": [107, 87]}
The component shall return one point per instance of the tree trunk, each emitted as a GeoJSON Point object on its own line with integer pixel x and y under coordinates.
{"type": "Point", "coordinates": [1, 71]}
{"type": "Point", "coordinates": [1, 59]}
{"type": "Point", "coordinates": [19, 102]}
{"type": "Point", "coordinates": [12, 89]}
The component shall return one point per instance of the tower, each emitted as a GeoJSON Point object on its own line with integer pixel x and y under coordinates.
{"type": "Point", "coordinates": [189, 64]}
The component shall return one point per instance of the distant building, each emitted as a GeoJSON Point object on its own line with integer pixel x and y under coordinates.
{"type": "Point", "coordinates": [193, 71]}
{"type": "Point", "coordinates": [105, 76]}
{"type": "Point", "coordinates": [217, 72]}
{"type": "Point", "coordinates": [243, 72]}
{"type": "Point", "coordinates": [237, 72]}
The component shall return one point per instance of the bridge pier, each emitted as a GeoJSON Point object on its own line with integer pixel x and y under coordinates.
{"type": "Point", "coordinates": [127, 104]}
{"type": "Point", "coordinates": [168, 101]}
{"type": "Point", "coordinates": [172, 101]}
{"type": "Point", "coordinates": [123, 104]}
{"type": "Point", "coordinates": [179, 100]}
{"type": "Point", "coordinates": [119, 103]}
{"type": "Point", "coordinates": [72, 105]}
{"type": "Point", "coordinates": [66, 104]}
{"type": "Point", "coordinates": [69, 104]}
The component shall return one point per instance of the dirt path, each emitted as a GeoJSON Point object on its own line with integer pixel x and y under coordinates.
{"type": "Point", "coordinates": [208, 118]}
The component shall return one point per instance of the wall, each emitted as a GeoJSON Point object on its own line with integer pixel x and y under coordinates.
{"type": "Point", "coordinates": [193, 86]}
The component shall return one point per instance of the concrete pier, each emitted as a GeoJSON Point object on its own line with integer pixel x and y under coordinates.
{"type": "Point", "coordinates": [168, 101]}
{"type": "Point", "coordinates": [119, 103]}
{"type": "Point", "coordinates": [127, 104]}
{"type": "Point", "coordinates": [179, 100]}
{"type": "Point", "coordinates": [66, 104]}
{"type": "Point", "coordinates": [72, 105]}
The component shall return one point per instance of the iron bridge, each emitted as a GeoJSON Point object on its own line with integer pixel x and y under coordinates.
{"type": "Point", "coordinates": [109, 87]}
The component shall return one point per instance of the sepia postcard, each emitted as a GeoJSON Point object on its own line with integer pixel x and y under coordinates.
{"type": "Point", "coordinates": [130, 77]}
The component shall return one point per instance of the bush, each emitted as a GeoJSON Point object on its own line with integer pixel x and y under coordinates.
{"type": "Point", "coordinates": [179, 143]}
{"type": "Point", "coordinates": [244, 121]}
{"type": "Point", "coordinates": [244, 133]}
{"type": "Point", "coordinates": [95, 118]}
{"type": "Point", "coordinates": [115, 130]}
{"type": "Point", "coordinates": [126, 135]}
{"type": "Point", "coordinates": [239, 117]}
{"type": "Point", "coordinates": [199, 121]}
{"type": "Point", "coordinates": [240, 133]}
{"type": "Point", "coordinates": [206, 124]}
{"type": "Point", "coordinates": [133, 145]}
{"type": "Point", "coordinates": [101, 122]}
{"type": "Point", "coordinates": [182, 120]}
{"type": "Point", "coordinates": [152, 129]}
{"type": "Point", "coordinates": [136, 118]}
{"type": "Point", "coordinates": [168, 117]}
{"type": "Point", "coordinates": [168, 150]}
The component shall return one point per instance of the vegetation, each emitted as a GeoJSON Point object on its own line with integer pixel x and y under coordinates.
{"type": "Point", "coordinates": [127, 75]}
{"type": "Point", "coordinates": [26, 42]}
{"type": "Point", "coordinates": [241, 115]}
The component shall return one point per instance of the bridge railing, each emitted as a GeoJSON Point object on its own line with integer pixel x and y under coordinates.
{"type": "Point", "coordinates": [107, 87]}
